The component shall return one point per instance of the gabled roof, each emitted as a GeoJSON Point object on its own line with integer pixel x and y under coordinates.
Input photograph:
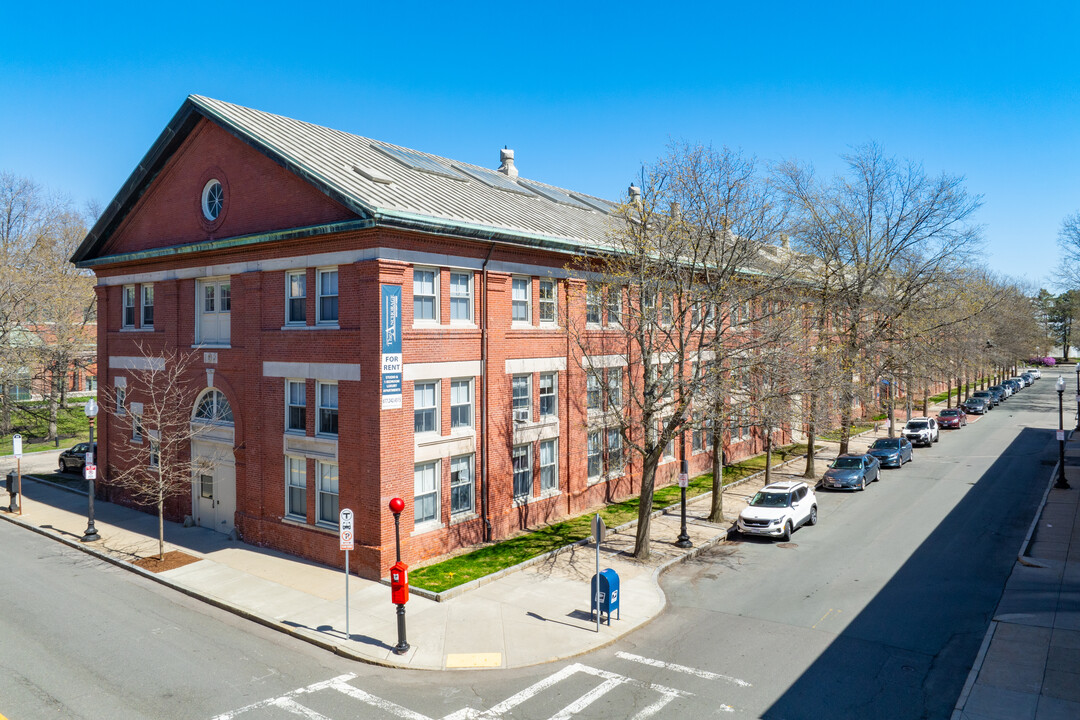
{"type": "Point", "coordinates": [385, 184]}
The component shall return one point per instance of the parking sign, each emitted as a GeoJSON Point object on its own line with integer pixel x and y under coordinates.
{"type": "Point", "coordinates": [16, 443]}
{"type": "Point", "coordinates": [345, 528]}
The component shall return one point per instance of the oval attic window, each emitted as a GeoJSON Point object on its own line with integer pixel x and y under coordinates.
{"type": "Point", "coordinates": [213, 196]}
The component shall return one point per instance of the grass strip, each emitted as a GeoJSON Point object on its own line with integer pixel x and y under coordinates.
{"type": "Point", "coordinates": [507, 553]}
{"type": "Point", "coordinates": [32, 422]}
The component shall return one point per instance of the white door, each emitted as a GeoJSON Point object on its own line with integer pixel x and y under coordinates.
{"type": "Point", "coordinates": [214, 490]}
{"type": "Point", "coordinates": [215, 310]}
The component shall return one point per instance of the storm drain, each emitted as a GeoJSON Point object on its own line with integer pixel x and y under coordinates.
{"type": "Point", "coordinates": [786, 546]}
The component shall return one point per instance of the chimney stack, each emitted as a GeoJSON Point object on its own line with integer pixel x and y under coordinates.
{"type": "Point", "coordinates": [635, 194]}
{"type": "Point", "coordinates": [506, 158]}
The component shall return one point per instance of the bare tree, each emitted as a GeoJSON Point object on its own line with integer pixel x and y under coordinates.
{"type": "Point", "coordinates": [157, 414]}
{"type": "Point", "coordinates": [688, 249]}
{"type": "Point", "coordinates": [879, 236]}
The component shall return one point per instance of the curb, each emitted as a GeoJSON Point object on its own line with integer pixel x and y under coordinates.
{"type": "Point", "coordinates": [976, 668]}
{"type": "Point", "coordinates": [208, 599]}
{"type": "Point", "coordinates": [480, 582]}
{"type": "Point", "coordinates": [278, 626]}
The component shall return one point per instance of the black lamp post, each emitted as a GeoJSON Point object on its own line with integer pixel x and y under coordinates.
{"type": "Point", "coordinates": [683, 541]}
{"type": "Point", "coordinates": [1062, 483]}
{"type": "Point", "coordinates": [91, 534]}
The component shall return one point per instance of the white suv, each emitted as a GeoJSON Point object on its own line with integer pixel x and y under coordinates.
{"type": "Point", "coordinates": [777, 509]}
{"type": "Point", "coordinates": [921, 431]}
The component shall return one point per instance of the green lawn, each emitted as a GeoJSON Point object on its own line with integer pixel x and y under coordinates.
{"type": "Point", "coordinates": [32, 422]}
{"type": "Point", "coordinates": [487, 560]}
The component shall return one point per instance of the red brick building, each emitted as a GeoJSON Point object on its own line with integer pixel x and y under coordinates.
{"type": "Point", "coordinates": [275, 247]}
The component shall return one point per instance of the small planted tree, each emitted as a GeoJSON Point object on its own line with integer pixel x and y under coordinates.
{"type": "Point", "coordinates": [156, 465]}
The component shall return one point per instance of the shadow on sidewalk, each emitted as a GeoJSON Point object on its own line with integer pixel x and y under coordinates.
{"type": "Point", "coordinates": [335, 634]}
{"type": "Point", "coordinates": [920, 634]}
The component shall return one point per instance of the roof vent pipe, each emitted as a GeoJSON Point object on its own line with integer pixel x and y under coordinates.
{"type": "Point", "coordinates": [506, 158]}
{"type": "Point", "coordinates": [635, 194]}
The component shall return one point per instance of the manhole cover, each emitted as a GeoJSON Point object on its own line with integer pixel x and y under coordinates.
{"type": "Point", "coordinates": [786, 545]}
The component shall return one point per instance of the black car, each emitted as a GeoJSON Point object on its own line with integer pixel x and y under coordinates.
{"type": "Point", "coordinates": [999, 392]}
{"type": "Point", "coordinates": [992, 400]}
{"type": "Point", "coordinates": [75, 458]}
{"type": "Point", "coordinates": [975, 406]}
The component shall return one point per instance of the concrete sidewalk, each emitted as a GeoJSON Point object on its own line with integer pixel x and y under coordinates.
{"type": "Point", "coordinates": [531, 615]}
{"type": "Point", "coordinates": [1029, 662]}
{"type": "Point", "coordinates": [534, 615]}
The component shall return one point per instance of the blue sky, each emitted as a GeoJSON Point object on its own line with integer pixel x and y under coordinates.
{"type": "Point", "coordinates": [584, 94]}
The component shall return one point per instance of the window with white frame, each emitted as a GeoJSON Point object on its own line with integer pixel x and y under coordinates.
{"type": "Point", "coordinates": [215, 311]}
{"type": "Point", "coordinates": [326, 307]}
{"type": "Point", "coordinates": [520, 300]}
{"type": "Point", "coordinates": [547, 302]}
{"type": "Point", "coordinates": [521, 397]}
{"type": "Point", "coordinates": [425, 294]}
{"type": "Point", "coordinates": [461, 404]}
{"type": "Point", "coordinates": [296, 297]}
{"type": "Point", "coordinates": [426, 493]}
{"type": "Point", "coordinates": [327, 394]}
{"type": "Point", "coordinates": [593, 294]}
{"type": "Point", "coordinates": [296, 487]}
{"type": "Point", "coordinates": [136, 427]}
{"type": "Point", "coordinates": [549, 466]}
{"type": "Point", "coordinates": [295, 406]}
{"type": "Point", "coordinates": [522, 460]}
{"type": "Point", "coordinates": [461, 484]}
{"type": "Point", "coordinates": [614, 305]}
{"type": "Point", "coordinates": [426, 407]}
{"type": "Point", "coordinates": [326, 488]}
{"type": "Point", "coordinates": [669, 449]}
{"type": "Point", "coordinates": [614, 388]}
{"type": "Point", "coordinates": [155, 447]}
{"type": "Point", "coordinates": [593, 394]}
{"type": "Point", "coordinates": [595, 454]}
{"type": "Point", "coordinates": [121, 400]}
{"type": "Point", "coordinates": [128, 319]}
{"type": "Point", "coordinates": [213, 407]}
{"type": "Point", "coordinates": [147, 305]}
{"type": "Point", "coordinates": [614, 450]}
{"type": "Point", "coordinates": [697, 437]}
{"type": "Point", "coordinates": [548, 390]}
{"type": "Point", "coordinates": [461, 300]}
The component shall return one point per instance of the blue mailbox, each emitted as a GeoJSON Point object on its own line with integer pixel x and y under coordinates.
{"type": "Point", "coordinates": [608, 596]}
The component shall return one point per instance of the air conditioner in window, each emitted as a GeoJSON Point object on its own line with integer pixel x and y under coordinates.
{"type": "Point", "coordinates": [521, 415]}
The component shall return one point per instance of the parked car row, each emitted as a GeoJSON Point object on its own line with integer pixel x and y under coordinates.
{"type": "Point", "coordinates": [780, 508]}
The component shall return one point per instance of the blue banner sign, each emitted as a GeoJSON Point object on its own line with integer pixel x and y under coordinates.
{"type": "Point", "coordinates": [391, 347]}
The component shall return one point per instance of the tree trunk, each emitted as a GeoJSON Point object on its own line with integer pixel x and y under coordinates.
{"type": "Point", "coordinates": [716, 511]}
{"type": "Point", "coordinates": [925, 400]}
{"type": "Point", "coordinates": [54, 412]}
{"type": "Point", "coordinates": [5, 414]}
{"type": "Point", "coordinates": [892, 410]}
{"type": "Point", "coordinates": [768, 455]}
{"type": "Point", "coordinates": [948, 392]}
{"type": "Point", "coordinates": [161, 527]}
{"type": "Point", "coordinates": [811, 438]}
{"type": "Point", "coordinates": [648, 484]}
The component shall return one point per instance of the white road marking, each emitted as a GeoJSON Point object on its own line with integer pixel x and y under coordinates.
{"type": "Point", "coordinates": [289, 703]}
{"type": "Point", "coordinates": [386, 705]}
{"type": "Point", "coordinates": [705, 674]}
{"type": "Point", "coordinates": [314, 687]}
{"type": "Point", "coordinates": [586, 700]}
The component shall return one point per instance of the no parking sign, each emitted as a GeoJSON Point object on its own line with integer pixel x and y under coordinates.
{"type": "Point", "coordinates": [345, 524]}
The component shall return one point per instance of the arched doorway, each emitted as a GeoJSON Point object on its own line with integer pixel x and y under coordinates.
{"type": "Point", "coordinates": [213, 486]}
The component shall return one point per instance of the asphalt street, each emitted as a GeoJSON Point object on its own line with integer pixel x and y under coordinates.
{"type": "Point", "coordinates": [876, 612]}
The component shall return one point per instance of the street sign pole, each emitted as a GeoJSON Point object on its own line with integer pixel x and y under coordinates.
{"type": "Point", "coordinates": [598, 529]}
{"type": "Point", "coordinates": [345, 529]}
{"type": "Point", "coordinates": [16, 447]}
